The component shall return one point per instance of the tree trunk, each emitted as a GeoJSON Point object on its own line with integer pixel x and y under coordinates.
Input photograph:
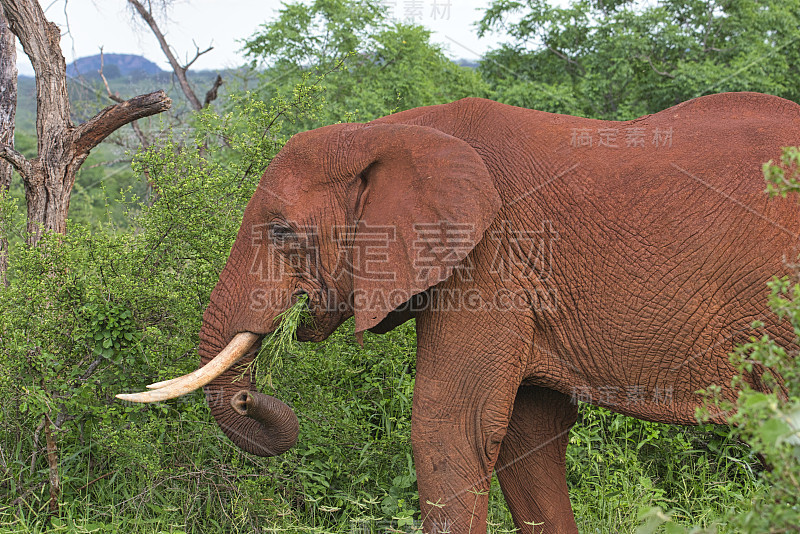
{"type": "Point", "coordinates": [8, 110]}
{"type": "Point", "coordinates": [62, 147]}
{"type": "Point", "coordinates": [52, 465]}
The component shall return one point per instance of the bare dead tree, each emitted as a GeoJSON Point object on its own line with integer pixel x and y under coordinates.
{"type": "Point", "coordinates": [145, 10]}
{"type": "Point", "coordinates": [62, 146]}
{"type": "Point", "coordinates": [8, 111]}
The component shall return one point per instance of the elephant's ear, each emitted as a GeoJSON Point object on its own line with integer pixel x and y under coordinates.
{"type": "Point", "coordinates": [421, 202]}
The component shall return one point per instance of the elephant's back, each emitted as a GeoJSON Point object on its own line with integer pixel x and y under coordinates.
{"type": "Point", "coordinates": [734, 106]}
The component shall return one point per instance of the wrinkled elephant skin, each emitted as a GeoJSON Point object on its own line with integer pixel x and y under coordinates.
{"type": "Point", "coordinates": [546, 258]}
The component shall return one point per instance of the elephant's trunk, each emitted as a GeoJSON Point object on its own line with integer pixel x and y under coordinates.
{"type": "Point", "coordinates": [257, 423]}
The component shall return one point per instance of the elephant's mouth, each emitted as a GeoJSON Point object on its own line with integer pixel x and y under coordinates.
{"type": "Point", "coordinates": [326, 313]}
{"type": "Point", "coordinates": [309, 334]}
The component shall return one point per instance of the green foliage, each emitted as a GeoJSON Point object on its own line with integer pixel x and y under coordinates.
{"type": "Point", "coordinates": [100, 186]}
{"type": "Point", "coordinates": [770, 420]}
{"type": "Point", "coordinates": [784, 178]}
{"type": "Point", "coordinates": [285, 335]}
{"type": "Point", "coordinates": [98, 311]}
{"type": "Point", "coordinates": [619, 471]}
{"type": "Point", "coordinates": [371, 67]}
{"type": "Point", "coordinates": [78, 323]}
{"type": "Point", "coordinates": [623, 59]}
{"type": "Point", "coordinates": [322, 33]}
{"type": "Point", "coordinates": [282, 341]}
{"type": "Point", "coordinates": [353, 461]}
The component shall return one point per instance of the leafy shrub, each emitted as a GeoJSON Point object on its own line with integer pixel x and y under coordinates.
{"type": "Point", "coordinates": [106, 309]}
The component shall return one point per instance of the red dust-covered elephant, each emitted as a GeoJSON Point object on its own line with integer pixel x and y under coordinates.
{"type": "Point", "coordinates": [545, 258]}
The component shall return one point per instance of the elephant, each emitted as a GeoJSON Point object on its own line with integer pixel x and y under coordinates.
{"type": "Point", "coordinates": [546, 259]}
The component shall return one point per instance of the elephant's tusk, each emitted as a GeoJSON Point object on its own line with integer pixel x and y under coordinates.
{"type": "Point", "coordinates": [169, 389]}
{"type": "Point", "coordinates": [163, 383]}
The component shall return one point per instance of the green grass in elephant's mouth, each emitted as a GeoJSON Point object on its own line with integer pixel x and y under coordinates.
{"type": "Point", "coordinates": [281, 341]}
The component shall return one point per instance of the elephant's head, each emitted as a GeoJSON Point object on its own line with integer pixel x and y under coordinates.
{"type": "Point", "coordinates": [355, 216]}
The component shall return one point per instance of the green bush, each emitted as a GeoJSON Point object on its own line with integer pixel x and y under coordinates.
{"type": "Point", "coordinates": [107, 309]}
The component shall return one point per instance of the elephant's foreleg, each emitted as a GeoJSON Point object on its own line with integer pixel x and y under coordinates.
{"type": "Point", "coordinates": [456, 436]}
{"type": "Point", "coordinates": [531, 464]}
{"type": "Point", "coordinates": [463, 399]}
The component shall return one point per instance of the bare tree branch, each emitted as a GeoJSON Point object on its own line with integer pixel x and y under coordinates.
{"type": "Point", "coordinates": [664, 73]}
{"type": "Point", "coordinates": [180, 71]}
{"type": "Point", "coordinates": [109, 163]}
{"type": "Point", "coordinates": [566, 58]}
{"type": "Point", "coordinates": [89, 134]}
{"type": "Point", "coordinates": [20, 162]}
{"type": "Point", "coordinates": [197, 55]}
{"type": "Point", "coordinates": [211, 95]}
{"type": "Point", "coordinates": [35, 454]}
{"type": "Point", "coordinates": [61, 147]}
{"type": "Point", "coordinates": [113, 96]}
{"type": "Point", "coordinates": [52, 464]}
{"type": "Point", "coordinates": [145, 10]}
{"type": "Point", "coordinates": [143, 140]}
{"type": "Point", "coordinates": [8, 113]}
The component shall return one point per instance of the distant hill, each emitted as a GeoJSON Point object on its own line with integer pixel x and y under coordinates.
{"type": "Point", "coordinates": [114, 66]}
{"type": "Point", "coordinates": [470, 63]}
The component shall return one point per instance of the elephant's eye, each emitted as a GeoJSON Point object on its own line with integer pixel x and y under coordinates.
{"type": "Point", "coordinates": [280, 234]}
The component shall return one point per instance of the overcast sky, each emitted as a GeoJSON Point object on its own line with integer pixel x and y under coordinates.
{"type": "Point", "coordinates": [88, 25]}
